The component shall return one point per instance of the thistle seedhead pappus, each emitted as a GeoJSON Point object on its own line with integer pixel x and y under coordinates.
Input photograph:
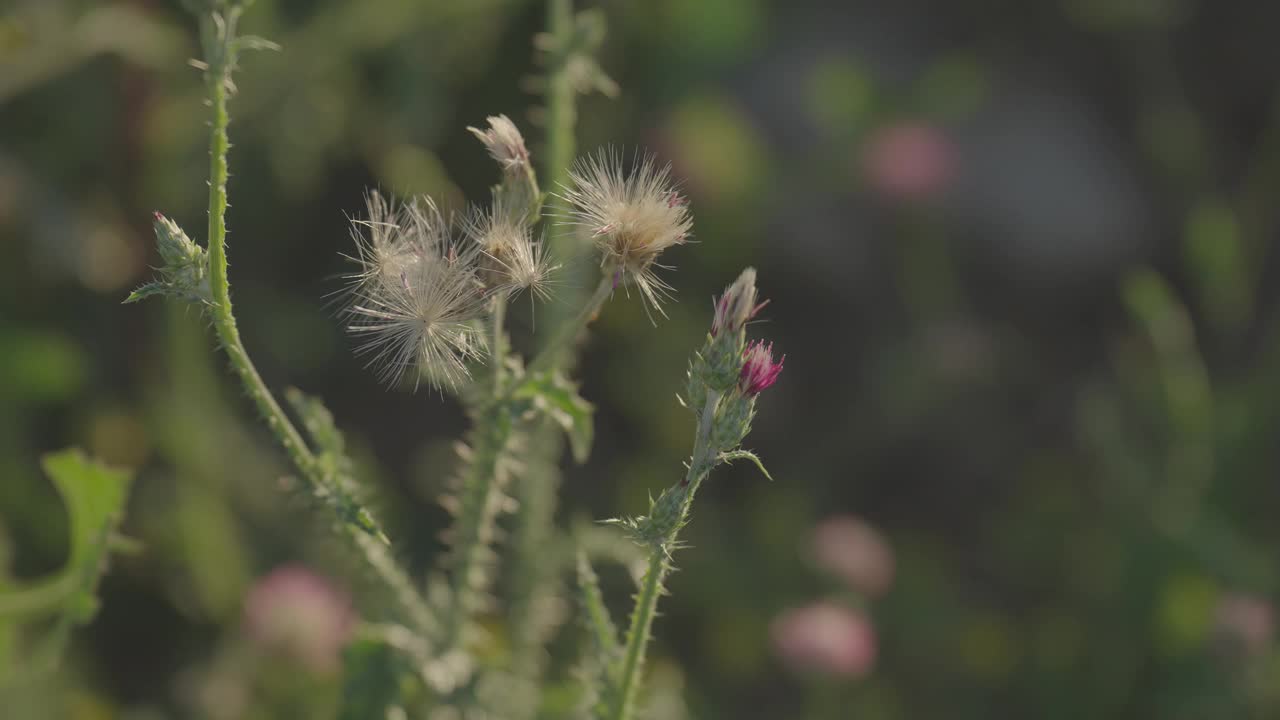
{"type": "Point", "coordinates": [416, 301]}
{"type": "Point", "coordinates": [512, 260]}
{"type": "Point", "coordinates": [632, 216]}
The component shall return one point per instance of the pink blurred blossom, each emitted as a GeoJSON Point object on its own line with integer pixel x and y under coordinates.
{"type": "Point", "coordinates": [908, 161]}
{"type": "Point", "coordinates": [827, 638]}
{"type": "Point", "coordinates": [1245, 622]}
{"type": "Point", "coordinates": [295, 612]}
{"type": "Point", "coordinates": [855, 552]}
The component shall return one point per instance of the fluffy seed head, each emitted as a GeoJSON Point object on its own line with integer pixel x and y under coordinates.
{"type": "Point", "coordinates": [513, 260]}
{"type": "Point", "coordinates": [759, 371]}
{"type": "Point", "coordinates": [394, 238]}
{"type": "Point", "coordinates": [417, 300]}
{"type": "Point", "coordinates": [632, 216]}
{"type": "Point", "coordinates": [505, 143]}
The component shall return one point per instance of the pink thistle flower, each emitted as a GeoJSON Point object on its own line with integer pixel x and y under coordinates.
{"type": "Point", "coordinates": [298, 614]}
{"type": "Point", "coordinates": [759, 371]}
{"type": "Point", "coordinates": [827, 638]}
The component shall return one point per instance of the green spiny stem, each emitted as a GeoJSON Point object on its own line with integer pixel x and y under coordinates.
{"type": "Point", "coordinates": [477, 518]}
{"type": "Point", "coordinates": [659, 565]}
{"type": "Point", "coordinates": [533, 572]}
{"type": "Point", "coordinates": [499, 353]}
{"type": "Point", "coordinates": [220, 51]}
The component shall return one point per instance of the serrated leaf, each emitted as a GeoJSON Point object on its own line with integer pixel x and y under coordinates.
{"type": "Point", "coordinates": [340, 490]}
{"type": "Point", "coordinates": [147, 290]}
{"type": "Point", "coordinates": [746, 455]}
{"type": "Point", "coordinates": [553, 395]}
{"type": "Point", "coordinates": [603, 630]}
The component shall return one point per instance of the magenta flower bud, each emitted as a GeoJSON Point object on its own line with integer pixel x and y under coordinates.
{"type": "Point", "coordinates": [759, 371]}
{"type": "Point", "coordinates": [299, 615]}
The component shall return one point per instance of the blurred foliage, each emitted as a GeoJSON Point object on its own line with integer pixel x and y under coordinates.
{"type": "Point", "coordinates": [1022, 258]}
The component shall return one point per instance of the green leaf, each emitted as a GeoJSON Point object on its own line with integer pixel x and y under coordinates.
{"type": "Point", "coordinates": [746, 455]}
{"type": "Point", "coordinates": [553, 395]}
{"type": "Point", "coordinates": [371, 687]}
{"type": "Point", "coordinates": [148, 290]}
{"type": "Point", "coordinates": [95, 497]}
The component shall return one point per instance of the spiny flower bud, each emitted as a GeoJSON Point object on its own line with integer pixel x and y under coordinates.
{"type": "Point", "coordinates": [724, 349]}
{"type": "Point", "coordinates": [759, 371]}
{"type": "Point", "coordinates": [505, 143]}
{"type": "Point", "coordinates": [185, 270]}
{"type": "Point", "coordinates": [737, 305]}
{"type": "Point", "coordinates": [733, 420]}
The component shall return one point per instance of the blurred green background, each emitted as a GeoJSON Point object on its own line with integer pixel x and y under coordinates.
{"type": "Point", "coordinates": [1022, 262]}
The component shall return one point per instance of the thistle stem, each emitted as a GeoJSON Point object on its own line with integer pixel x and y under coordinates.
{"type": "Point", "coordinates": [218, 33]}
{"type": "Point", "coordinates": [499, 354]}
{"type": "Point", "coordinates": [553, 353]}
{"type": "Point", "coordinates": [659, 565]}
{"type": "Point", "coordinates": [479, 504]}
{"type": "Point", "coordinates": [561, 114]}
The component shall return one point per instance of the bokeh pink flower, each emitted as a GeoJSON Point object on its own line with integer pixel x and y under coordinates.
{"type": "Point", "coordinates": [1245, 622]}
{"type": "Point", "coordinates": [853, 551]}
{"type": "Point", "coordinates": [909, 161]}
{"type": "Point", "coordinates": [295, 613]}
{"type": "Point", "coordinates": [826, 638]}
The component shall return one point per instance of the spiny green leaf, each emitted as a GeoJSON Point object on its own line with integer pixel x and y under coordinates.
{"type": "Point", "coordinates": [147, 290]}
{"type": "Point", "coordinates": [340, 490]}
{"type": "Point", "coordinates": [746, 455]}
{"type": "Point", "coordinates": [603, 631]}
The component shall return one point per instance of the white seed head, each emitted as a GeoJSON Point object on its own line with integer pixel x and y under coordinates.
{"type": "Point", "coordinates": [394, 238]}
{"type": "Point", "coordinates": [632, 216]}
{"type": "Point", "coordinates": [504, 141]}
{"type": "Point", "coordinates": [513, 259]}
{"type": "Point", "coordinates": [417, 302]}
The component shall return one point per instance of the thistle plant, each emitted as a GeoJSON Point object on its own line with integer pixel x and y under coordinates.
{"type": "Point", "coordinates": [425, 303]}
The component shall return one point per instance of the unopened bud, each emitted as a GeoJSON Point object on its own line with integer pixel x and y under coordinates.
{"type": "Point", "coordinates": [184, 272]}
{"type": "Point", "coordinates": [737, 305]}
{"type": "Point", "coordinates": [504, 142]}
